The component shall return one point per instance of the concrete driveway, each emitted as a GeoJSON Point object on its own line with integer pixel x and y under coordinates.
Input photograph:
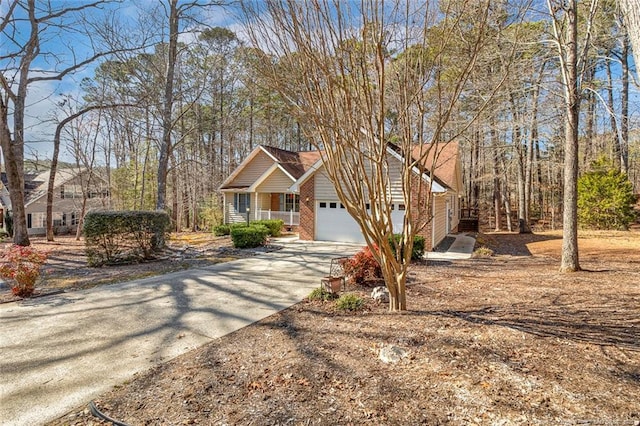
{"type": "Point", "coordinates": [61, 351]}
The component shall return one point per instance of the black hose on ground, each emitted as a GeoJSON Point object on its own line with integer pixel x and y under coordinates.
{"type": "Point", "coordinates": [99, 414]}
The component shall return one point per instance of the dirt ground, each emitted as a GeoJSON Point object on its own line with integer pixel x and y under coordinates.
{"type": "Point", "coordinates": [66, 268]}
{"type": "Point", "coordinates": [506, 340]}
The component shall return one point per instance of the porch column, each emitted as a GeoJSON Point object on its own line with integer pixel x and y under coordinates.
{"type": "Point", "coordinates": [255, 207]}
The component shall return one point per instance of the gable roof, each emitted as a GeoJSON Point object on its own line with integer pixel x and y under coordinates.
{"type": "Point", "coordinates": [444, 171]}
{"type": "Point", "coordinates": [37, 184]}
{"type": "Point", "coordinates": [446, 160]}
{"type": "Point", "coordinates": [294, 164]}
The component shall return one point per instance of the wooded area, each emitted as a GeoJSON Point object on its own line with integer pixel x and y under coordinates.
{"type": "Point", "coordinates": [173, 105]}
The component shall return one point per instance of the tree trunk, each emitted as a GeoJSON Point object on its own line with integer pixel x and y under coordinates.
{"type": "Point", "coordinates": [631, 11]}
{"type": "Point", "coordinates": [505, 195]}
{"type": "Point", "coordinates": [624, 109]}
{"type": "Point", "coordinates": [589, 131]}
{"type": "Point", "coordinates": [167, 116]}
{"type": "Point", "coordinates": [520, 176]}
{"type": "Point", "coordinates": [496, 176]}
{"type": "Point", "coordinates": [15, 179]}
{"type": "Point", "coordinates": [543, 212]}
{"type": "Point", "coordinates": [612, 118]}
{"type": "Point", "coordinates": [570, 262]}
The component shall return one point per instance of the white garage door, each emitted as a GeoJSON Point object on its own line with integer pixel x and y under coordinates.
{"type": "Point", "coordinates": [333, 223]}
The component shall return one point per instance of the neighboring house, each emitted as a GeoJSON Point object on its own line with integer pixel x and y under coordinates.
{"type": "Point", "coordinates": [267, 176]}
{"type": "Point", "coordinates": [69, 186]}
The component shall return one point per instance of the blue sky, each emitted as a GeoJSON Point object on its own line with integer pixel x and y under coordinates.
{"type": "Point", "coordinates": [59, 46]}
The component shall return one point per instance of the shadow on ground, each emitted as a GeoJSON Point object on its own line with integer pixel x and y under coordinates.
{"type": "Point", "coordinates": [515, 244]}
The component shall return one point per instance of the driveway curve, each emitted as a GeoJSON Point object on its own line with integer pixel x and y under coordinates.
{"type": "Point", "coordinates": [61, 351]}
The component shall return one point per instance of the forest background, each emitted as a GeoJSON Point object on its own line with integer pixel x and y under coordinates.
{"type": "Point", "coordinates": [138, 92]}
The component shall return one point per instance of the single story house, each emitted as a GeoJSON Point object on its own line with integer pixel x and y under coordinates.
{"type": "Point", "coordinates": [70, 188]}
{"type": "Point", "coordinates": [272, 183]}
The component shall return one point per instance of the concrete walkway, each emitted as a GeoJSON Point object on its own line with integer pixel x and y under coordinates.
{"type": "Point", "coordinates": [61, 351]}
{"type": "Point", "coordinates": [461, 248]}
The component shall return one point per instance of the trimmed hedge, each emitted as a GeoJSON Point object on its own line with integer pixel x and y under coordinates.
{"type": "Point", "coordinates": [124, 236]}
{"type": "Point", "coordinates": [221, 230]}
{"type": "Point", "coordinates": [418, 246]}
{"type": "Point", "coordinates": [274, 226]}
{"type": "Point", "coordinates": [249, 236]}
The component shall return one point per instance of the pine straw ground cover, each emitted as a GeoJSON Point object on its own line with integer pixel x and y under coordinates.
{"type": "Point", "coordinates": [66, 267]}
{"type": "Point", "coordinates": [499, 341]}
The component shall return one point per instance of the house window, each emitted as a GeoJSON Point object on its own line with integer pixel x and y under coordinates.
{"type": "Point", "coordinates": [323, 205]}
{"type": "Point", "coordinates": [70, 191]}
{"type": "Point", "coordinates": [289, 202]}
{"type": "Point", "coordinates": [241, 202]}
{"type": "Point", "coordinates": [75, 220]}
{"type": "Point", "coordinates": [58, 219]}
{"type": "Point", "coordinates": [36, 220]}
{"type": "Point", "coordinates": [402, 207]}
{"type": "Point", "coordinates": [341, 206]}
{"type": "Point", "coordinates": [333, 205]}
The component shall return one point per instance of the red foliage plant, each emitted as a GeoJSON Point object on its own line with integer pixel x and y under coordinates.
{"type": "Point", "coordinates": [363, 268]}
{"type": "Point", "coordinates": [21, 265]}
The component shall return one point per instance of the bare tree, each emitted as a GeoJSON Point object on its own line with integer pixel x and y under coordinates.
{"type": "Point", "coordinates": [38, 19]}
{"type": "Point", "coordinates": [344, 70]}
{"type": "Point", "coordinates": [176, 13]}
{"type": "Point", "coordinates": [631, 11]}
{"type": "Point", "coordinates": [565, 26]}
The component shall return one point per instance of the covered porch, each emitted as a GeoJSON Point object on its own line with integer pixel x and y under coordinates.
{"type": "Point", "coordinates": [243, 206]}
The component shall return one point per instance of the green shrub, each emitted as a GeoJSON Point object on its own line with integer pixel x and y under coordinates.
{"type": "Point", "coordinates": [350, 302]}
{"type": "Point", "coordinates": [417, 251]}
{"type": "Point", "coordinates": [362, 268]}
{"type": "Point", "coordinates": [124, 236]}
{"type": "Point", "coordinates": [249, 236]}
{"type": "Point", "coordinates": [321, 294]}
{"type": "Point", "coordinates": [221, 230]}
{"type": "Point", "coordinates": [605, 198]}
{"type": "Point", "coordinates": [273, 225]}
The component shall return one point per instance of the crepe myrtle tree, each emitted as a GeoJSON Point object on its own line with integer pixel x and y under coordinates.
{"type": "Point", "coordinates": [372, 84]}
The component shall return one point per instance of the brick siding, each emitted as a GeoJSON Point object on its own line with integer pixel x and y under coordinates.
{"type": "Point", "coordinates": [421, 207]}
{"type": "Point", "coordinates": [307, 227]}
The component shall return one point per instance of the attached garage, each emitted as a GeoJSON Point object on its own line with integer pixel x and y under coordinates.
{"type": "Point", "coordinates": [333, 223]}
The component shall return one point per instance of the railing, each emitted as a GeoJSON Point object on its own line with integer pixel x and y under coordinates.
{"type": "Point", "coordinates": [469, 213]}
{"type": "Point", "coordinates": [290, 218]}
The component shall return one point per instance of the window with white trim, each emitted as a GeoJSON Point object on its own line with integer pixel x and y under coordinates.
{"type": "Point", "coordinates": [241, 202]}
